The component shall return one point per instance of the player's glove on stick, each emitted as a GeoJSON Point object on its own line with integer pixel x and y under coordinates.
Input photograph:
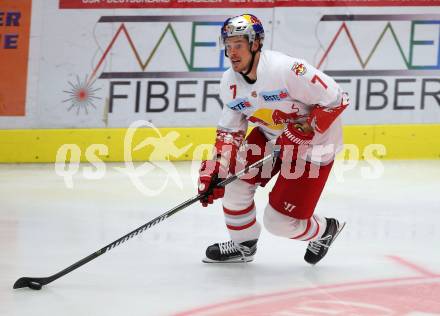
{"type": "Point", "coordinates": [208, 180]}
{"type": "Point", "coordinates": [213, 171]}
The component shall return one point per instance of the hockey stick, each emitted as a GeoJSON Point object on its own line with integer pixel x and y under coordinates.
{"type": "Point", "coordinates": [38, 283]}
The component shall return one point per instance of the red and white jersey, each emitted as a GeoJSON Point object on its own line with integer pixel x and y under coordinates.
{"type": "Point", "coordinates": [287, 89]}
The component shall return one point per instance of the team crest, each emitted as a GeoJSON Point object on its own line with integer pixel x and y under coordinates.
{"type": "Point", "coordinates": [299, 69]}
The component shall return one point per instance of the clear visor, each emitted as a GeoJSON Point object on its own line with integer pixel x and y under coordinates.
{"type": "Point", "coordinates": [228, 45]}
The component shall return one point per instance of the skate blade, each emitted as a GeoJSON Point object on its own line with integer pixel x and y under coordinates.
{"type": "Point", "coordinates": [236, 260]}
{"type": "Point", "coordinates": [341, 227]}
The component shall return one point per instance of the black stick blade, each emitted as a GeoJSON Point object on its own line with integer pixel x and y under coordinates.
{"type": "Point", "coordinates": [32, 283]}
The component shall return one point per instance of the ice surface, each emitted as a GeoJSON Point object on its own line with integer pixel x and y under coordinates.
{"type": "Point", "coordinates": [387, 260]}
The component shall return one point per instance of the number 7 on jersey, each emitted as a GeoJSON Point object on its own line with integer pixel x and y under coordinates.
{"type": "Point", "coordinates": [317, 78]}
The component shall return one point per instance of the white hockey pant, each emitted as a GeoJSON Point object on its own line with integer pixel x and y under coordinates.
{"type": "Point", "coordinates": [240, 217]}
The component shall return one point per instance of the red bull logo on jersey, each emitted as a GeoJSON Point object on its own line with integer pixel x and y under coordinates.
{"type": "Point", "coordinates": [299, 69]}
{"type": "Point", "coordinates": [273, 96]}
{"type": "Point", "coordinates": [265, 117]}
{"type": "Point", "coordinates": [239, 104]}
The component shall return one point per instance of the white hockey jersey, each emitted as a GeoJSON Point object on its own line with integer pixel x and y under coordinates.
{"type": "Point", "coordinates": [285, 87]}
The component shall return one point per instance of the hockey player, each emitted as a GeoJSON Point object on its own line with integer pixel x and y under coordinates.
{"type": "Point", "coordinates": [293, 105]}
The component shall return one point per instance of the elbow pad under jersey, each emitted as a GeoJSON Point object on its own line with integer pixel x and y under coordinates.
{"type": "Point", "coordinates": [321, 117]}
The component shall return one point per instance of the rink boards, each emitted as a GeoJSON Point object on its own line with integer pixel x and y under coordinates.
{"type": "Point", "coordinates": [88, 145]}
{"type": "Point", "coordinates": [86, 83]}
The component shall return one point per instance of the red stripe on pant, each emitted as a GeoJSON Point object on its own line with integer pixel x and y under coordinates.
{"type": "Point", "coordinates": [241, 227]}
{"type": "Point", "coordinates": [239, 212]}
{"type": "Point", "coordinates": [305, 231]}
{"type": "Point", "coordinates": [317, 230]}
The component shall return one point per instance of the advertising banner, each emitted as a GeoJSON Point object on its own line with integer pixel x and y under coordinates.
{"type": "Point", "coordinates": [116, 62]}
{"type": "Point", "coordinates": [164, 4]}
{"type": "Point", "coordinates": [388, 59]}
{"type": "Point", "coordinates": [131, 4]}
{"type": "Point", "coordinates": [119, 66]}
{"type": "Point", "coordinates": [15, 16]}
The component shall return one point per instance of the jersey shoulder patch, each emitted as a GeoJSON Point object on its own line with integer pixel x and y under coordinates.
{"type": "Point", "coordinates": [299, 68]}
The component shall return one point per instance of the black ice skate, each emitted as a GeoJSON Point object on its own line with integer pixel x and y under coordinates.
{"type": "Point", "coordinates": [316, 250]}
{"type": "Point", "coordinates": [231, 252]}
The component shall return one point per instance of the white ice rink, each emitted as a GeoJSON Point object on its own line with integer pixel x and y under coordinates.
{"type": "Point", "coordinates": [385, 262]}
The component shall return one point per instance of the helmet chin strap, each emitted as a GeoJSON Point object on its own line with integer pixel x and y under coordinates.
{"type": "Point", "coordinates": [245, 75]}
